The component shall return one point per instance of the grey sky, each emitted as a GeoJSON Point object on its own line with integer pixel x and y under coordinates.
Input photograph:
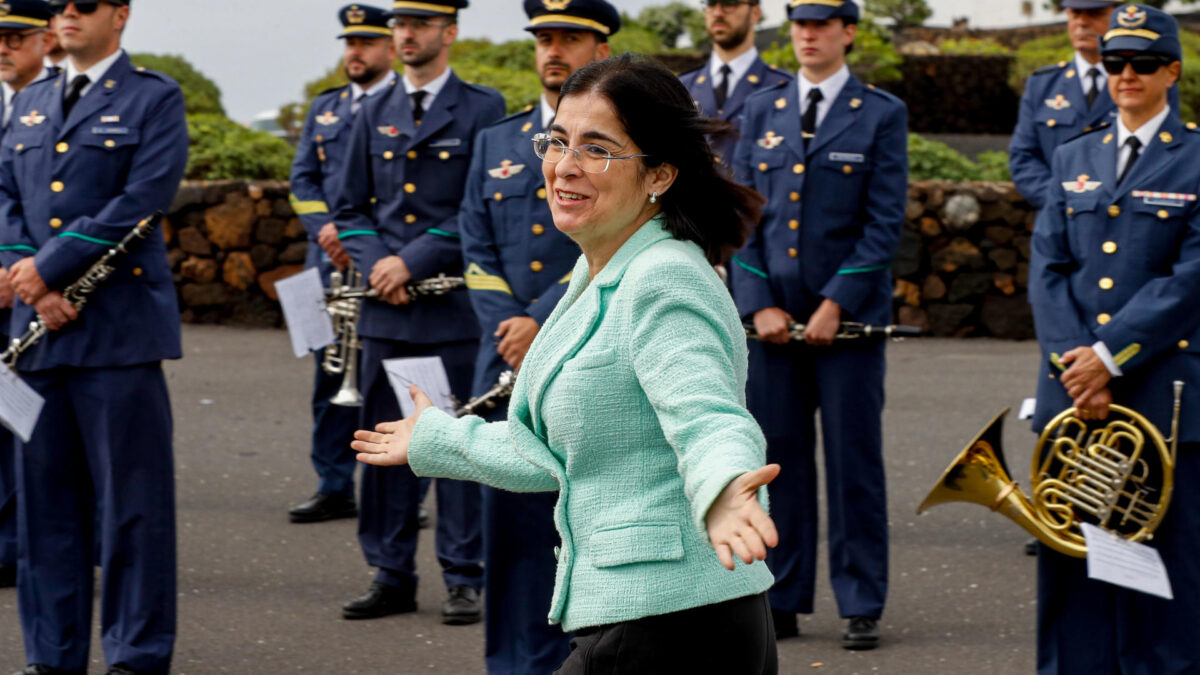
{"type": "Point", "coordinates": [261, 52]}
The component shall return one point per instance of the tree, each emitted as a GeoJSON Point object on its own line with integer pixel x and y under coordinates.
{"type": "Point", "coordinates": [670, 21]}
{"type": "Point", "coordinates": [903, 13]}
{"type": "Point", "coordinates": [201, 95]}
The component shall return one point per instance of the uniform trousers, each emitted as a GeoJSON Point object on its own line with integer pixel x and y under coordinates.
{"type": "Point", "coordinates": [103, 441]}
{"type": "Point", "coordinates": [518, 572]}
{"type": "Point", "coordinates": [8, 495]}
{"type": "Point", "coordinates": [333, 429]}
{"type": "Point", "coordinates": [388, 506]}
{"type": "Point", "coordinates": [1087, 626]}
{"type": "Point", "coordinates": [735, 637]}
{"type": "Point", "coordinates": [788, 385]}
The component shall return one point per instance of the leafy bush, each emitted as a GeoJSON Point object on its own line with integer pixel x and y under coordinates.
{"type": "Point", "coordinates": [200, 94]}
{"type": "Point", "coordinates": [519, 87]}
{"type": "Point", "coordinates": [993, 166]}
{"type": "Point", "coordinates": [933, 160]}
{"type": "Point", "coordinates": [874, 58]}
{"type": "Point", "coordinates": [973, 47]}
{"type": "Point", "coordinates": [223, 149]}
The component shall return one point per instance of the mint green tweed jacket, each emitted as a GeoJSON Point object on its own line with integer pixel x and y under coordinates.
{"type": "Point", "coordinates": [631, 404]}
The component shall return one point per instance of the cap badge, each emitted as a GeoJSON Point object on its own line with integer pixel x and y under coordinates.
{"type": "Point", "coordinates": [1131, 17]}
{"type": "Point", "coordinates": [556, 5]}
{"type": "Point", "coordinates": [32, 119]}
{"type": "Point", "coordinates": [390, 132]}
{"type": "Point", "coordinates": [327, 118]}
{"type": "Point", "coordinates": [355, 14]}
{"type": "Point", "coordinates": [1059, 102]}
{"type": "Point", "coordinates": [506, 170]}
{"type": "Point", "coordinates": [770, 141]}
{"type": "Point", "coordinates": [5, 8]}
{"type": "Point", "coordinates": [1082, 185]}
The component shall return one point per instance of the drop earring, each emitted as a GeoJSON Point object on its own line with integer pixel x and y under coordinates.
{"type": "Point", "coordinates": [654, 198]}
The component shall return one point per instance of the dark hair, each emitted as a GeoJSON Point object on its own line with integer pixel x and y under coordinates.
{"type": "Point", "coordinates": [703, 205]}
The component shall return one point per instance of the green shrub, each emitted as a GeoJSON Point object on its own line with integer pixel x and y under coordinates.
{"type": "Point", "coordinates": [223, 149]}
{"type": "Point", "coordinates": [973, 47]}
{"type": "Point", "coordinates": [933, 160]}
{"type": "Point", "coordinates": [519, 87]}
{"type": "Point", "coordinates": [993, 166]}
{"type": "Point", "coordinates": [200, 94]}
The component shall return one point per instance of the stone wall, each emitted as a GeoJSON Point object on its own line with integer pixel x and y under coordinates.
{"type": "Point", "coordinates": [961, 268]}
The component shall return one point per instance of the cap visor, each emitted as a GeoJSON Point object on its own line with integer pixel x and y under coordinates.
{"type": "Point", "coordinates": [1127, 43]}
{"type": "Point", "coordinates": [811, 12]}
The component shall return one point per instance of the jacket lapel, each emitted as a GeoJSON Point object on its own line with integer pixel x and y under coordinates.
{"type": "Point", "coordinates": [705, 92]}
{"type": "Point", "coordinates": [747, 86]}
{"type": "Point", "coordinates": [523, 141]}
{"type": "Point", "coordinates": [98, 97]}
{"type": "Point", "coordinates": [842, 115]}
{"type": "Point", "coordinates": [1155, 158]}
{"type": "Point", "coordinates": [441, 113]}
{"type": "Point", "coordinates": [785, 119]}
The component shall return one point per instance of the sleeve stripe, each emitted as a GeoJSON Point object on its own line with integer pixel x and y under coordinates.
{"type": "Point", "coordinates": [19, 247]}
{"type": "Point", "coordinates": [1126, 354]}
{"type": "Point", "coordinates": [307, 208]}
{"type": "Point", "coordinates": [749, 268]}
{"type": "Point", "coordinates": [863, 270]}
{"type": "Point", "coordinates": [94, 240]}
{"type": "Point", "coordinates": [443, 233]}
{"type": "Point", "coordinates": [487, 282]}
{"type": "Point", "coordinates": [357, 233]}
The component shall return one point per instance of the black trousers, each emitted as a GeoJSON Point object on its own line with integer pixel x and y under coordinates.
{"type": "Point", "coordinates": [735, 637]}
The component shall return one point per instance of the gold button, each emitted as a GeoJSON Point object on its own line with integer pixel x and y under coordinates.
{"type": "Point", "coordinates": [110, 143]}
{"type": "Point", "coordinates": [798, 169]}
{"type": "Point", "coordinates": [1114, 211]}
{"type": "Point", "coordinates": [538, 229]}
{"type": "Point", "coordinates": [498, 196]}
{"type": "Point", "coordinates": [412, 154]}
{"type": "Point", "coordinates": [20, 146]}
{"type": "Point", "coordinates": [1103, 319]}
{"type": "Point", "coordinates": [1051, 123]}
{"type": "Point", "coordinates": [137, 271]}
{"type": "Point", "coordinates": [1183, 344]}
{"type": "Point", "coordinates": [320, 138]}
{"type": "Point", "coordinates": [410, 188]}
{"type": "Point", "coordinates": [795, 196]}
{"type": "Point", "coordinates": [847, 169]}
{"type": "Point", "coordinates": [541, 193]}
{"type": "Point", "coordinates": [56, 222]}
{"type": "Point", "coordinates": [794, 224]}
{"type": "Point", "coordinates": [443, 155]}
{"type": "Point", "coordinates": [389, 154]}
{"type": "Point", "coordinates": [57, 186]}
{"type": "Point", "coordinates": [1070, 211]}
{"type": "Point", "coordinates": [536, 266]}
{"type": "Point", "coordinates": [1106, 284]}
{"type": "Point", "coordinates": [762, 166]}
{"type": "Point", "coordinates": [1110, 247]}
{"type": "Point", "coordinates": [1162, 213]}
{"type": "Point", "coordinates": [793, 252]}
{"type": "Point", "coordinates": [410, 219]}
{"type": "Point", "coordinates": [62, 147]}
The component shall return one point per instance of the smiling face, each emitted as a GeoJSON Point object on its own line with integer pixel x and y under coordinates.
{"type": "Point", "coordinates": [1142, 94]}
{"type": "Point", "coordinates": [562, 52]}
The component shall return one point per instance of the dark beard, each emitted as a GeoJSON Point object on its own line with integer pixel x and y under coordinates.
{"type": "Point", "coordinates": [368, 74]}
{"type": "Point", "coordinates": [736, 37]}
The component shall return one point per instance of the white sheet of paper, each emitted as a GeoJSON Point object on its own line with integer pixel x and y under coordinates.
{"type": "Point", "coordinates": [20, 405]}
{"type": "Point", "coordinates": [1125, 563]}
{"type": "Point", "coordinates": [1028, 407]}
{"type": "Point", "coordinates": [428, 373]}
{"type": "Point", "coordinates": [303, 300]}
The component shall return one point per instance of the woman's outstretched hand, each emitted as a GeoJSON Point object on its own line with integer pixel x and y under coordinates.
{"type": "Point", "coordinates": [388, 444]}
{"type": "Point", "coordinates": [737, 524]}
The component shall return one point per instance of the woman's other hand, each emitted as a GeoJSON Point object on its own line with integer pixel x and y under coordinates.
{"type": "Point", "coordinates": [737, 523]}
{"type": "Point", "coordinates": [388, 444]}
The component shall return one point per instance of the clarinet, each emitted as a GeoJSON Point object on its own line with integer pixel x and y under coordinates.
{"type": "Point", "coordinates": [77, 293]}
{"type": "Point", "coordinates": [849, 331]}
{"type": "Point", "coordinates": [433, 286]}
{"type": "Point", "coordinates": [489, 400]}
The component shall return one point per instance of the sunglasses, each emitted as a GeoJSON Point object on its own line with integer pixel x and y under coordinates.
{"type": "Point", "coordinates": [1142, 64]}
{"type": "Point", "coordinates": [81, 7]}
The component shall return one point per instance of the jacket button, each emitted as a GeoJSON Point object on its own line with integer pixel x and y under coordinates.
{"type": "Point", "coordinates": [443, 155]}
{"type": "Point", "coordinates": [847, 169]}
{"type": "Point", "coordinates": [798, 169]}
{"type": "Point", "coordinates": [137, 271]}
{"type": "Point", "coordinates": [762, 166]}
{"type": "Point", "coordinates": [1162, 213]}
{"type": "Point", "coordinates": [557, 552]}
{"type": "Point", "coordinates": [56, 222]}
{"type": "Point", "coordinates": [1106, 284]}
{"type": "Point", "coordinates": [110, 143]}
{"type": "Point", "coordinates": [57, 186]}
{"type": "Point", "coordinates": [412, 154]}
{"type": "Point", "coordinates": [1051, 123]}
{"type": "Point", "coordinates": [536, 266]}
{"type": "Point", "coordinates": [541, 193]}
{"type": "Point", "coordinates": [410, 219]}
{"type": "Point", "coordinates": [498, 196]}
{"type": "Point", "coordinates": [1114, 211]}
{"type": "Point", "coordinates": [538, 229]}
{"type": "Point", "coordinates": [410, 188]}
{"type": "Point", "coordinates": [20, 147]}
{"type": "Point", "coordinates": [62, 147]}
{"type": "Point", "coordinates": [1110, 247]}
{"type": "Point", "coordinates": [389, 154]}
{"type": "Point", "coordinates": [1103, 319]}
{"type": "Point", "coordinates": [795, 196]}
{"type": "Point", "coordinates": [1184, 344]}
{"type": "Point", "coordinates": [1070, 211]}
{"type": "Point", "coordinates": [794, 224]}
{"type": "Point", "coordinates": [793, 252]}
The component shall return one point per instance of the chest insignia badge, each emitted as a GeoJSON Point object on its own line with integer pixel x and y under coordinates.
{"type": "Point", "coordinates": [1082, 185]}
{"type": "Point", "coordinates": [32, 119]}
{"type": "Point", "coordinates": [1059, 102]}
{"type": "Point", "coordinates": [390, 132]}
{"type": "Point", "coordinates": [770, 141]}
{"type": "Point", "coordinates": [506, 170]}
{"type": "Point", "coordinates": [327, 118]}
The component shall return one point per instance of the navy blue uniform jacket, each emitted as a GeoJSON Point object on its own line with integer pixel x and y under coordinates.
{"type": "Point", "coordinates": [759, 77]}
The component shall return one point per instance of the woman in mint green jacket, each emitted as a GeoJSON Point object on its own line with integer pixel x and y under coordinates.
{"type": "Point", "coordinates": [631, 400]}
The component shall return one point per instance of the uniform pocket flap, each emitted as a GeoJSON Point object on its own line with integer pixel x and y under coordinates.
{"type": "Point", "coordinates": [1084, 203]}
{"type": "Point", "coordinates": [596, 359]}
{"type": "Point", "coordinates": [111, 137]}
{"type": "Point", "coordinates": [765, 160]}
{"type": "Point", "coordinates": [637, 543]}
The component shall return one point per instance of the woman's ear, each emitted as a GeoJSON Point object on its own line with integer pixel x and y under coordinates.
{"type": "Point", "coordinates": [661, 178]}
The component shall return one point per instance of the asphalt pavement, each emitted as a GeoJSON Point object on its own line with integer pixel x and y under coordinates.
{"type": "Point", "coordinates": [258, 595]}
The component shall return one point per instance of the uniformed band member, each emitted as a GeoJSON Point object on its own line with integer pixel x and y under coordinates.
{"type": "Point", "coordinates": [518, 265]}
{"type": "Point", "coordinates": [397, 216]}
{"type": "Point", "coordinates": [88, 155]}
{"type": "Point", "coordinates": [316, 172]}
{"type": "Point", "coordinates": [1113, 281]}
{"type": "Point", "coordinates": [22, 45]}
{"type": "Point", "coordinates": [830, 155]}
{"type": "Point", "coordinates": [1063, 100]}
{"type": "Point", "coordinates": [734, 71]}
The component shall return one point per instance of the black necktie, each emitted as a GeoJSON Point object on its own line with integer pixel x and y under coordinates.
{"type": "Point", "coordinates": [1094, 76]}
{"type": "Point", "coordinates": [73, 93]}
{"type": "Point", "coordinates": [722, 91]}
{"type": "Point", "coordinates": [1135, 151]}
{"type": "Point", "coordinates": [418, 97]}
{"type": "Point", "coordinates": [808, 123]}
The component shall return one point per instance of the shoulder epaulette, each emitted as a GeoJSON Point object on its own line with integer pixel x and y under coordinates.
{"type": "Point", "coordinates": [332, 90]}
{"type": "Point", "coordinates": [885, 95]}
{"type": "Point", "coordinates": [693, 70]}
{"type": "Point", "coordinates": [481, 89]}
{"type": "Point", "coordinates": [1052, 68]}
{"type": "Point", "coordinates": [143, 70]}
{"type": "Point", "coordinates": [521, 113]}
{"type": "Point", "coordinates": [1089, 130]}
{"type": "Point", "coordinates": [1192, 126]}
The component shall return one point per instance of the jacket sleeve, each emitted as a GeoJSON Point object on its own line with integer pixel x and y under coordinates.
{"type": "Point", "coordinates": [440, 247]}
{"type": "Point", "coordinates": [1029, 166]}
{"type": "Point", "coordinates": [354, 212]}
{"type": "Point", "coordinates": [748, 274]}
{"type": "Point", "coordinates": [308, 197]}
{"type": "Point", "coordinates": [885, 199]}
{"type": "Point", "coordinates": [540, 311]}
{"type": "Point", "coordinates": [152, 180]}
{"type": "Point", "coordinates": [1059, 322]}
{"type": "Point", "coordinates": [15, 242]}
{"type": "Point", "coordinates": [690, 360]}
{"type": "Point", "coordinates": [490, 293]}
{"type": "Point", "coordinates": [471, 449]}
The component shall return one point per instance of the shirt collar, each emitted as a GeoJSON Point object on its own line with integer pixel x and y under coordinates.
{"type": "Point", "coordinates": [1145, 133]}
{"type": "Point", "coordinates": [547, 112]}
{"type": "Point", "coordinates": [432, 88]}
{"type": "Point", "coordinates": [737, 67]}
{"type": "Point", "coordinates": [830, 88]}
{"type": "Point", "coordinates": [356, 91]}
{"type": "Point", "coordinates": [9, 92]}
{"type": "Point", "coordinates": [1082, 67]}
{"type": "Point", "coordinates": [97, 70]}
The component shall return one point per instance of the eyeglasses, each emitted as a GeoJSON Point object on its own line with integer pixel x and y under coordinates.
{"type": "Point", "coordinates": [81, 7]}
{"type": "Point", "coordinates": [590, 158]}
{"type": "Point", "coordinates": [416, 24]}
{"type": "Point", "coordinates": [726, 4]}
{"type": "Point", "coordinates": [1143, 64]}
{"type": "Point", "coordinates": [15, 40]}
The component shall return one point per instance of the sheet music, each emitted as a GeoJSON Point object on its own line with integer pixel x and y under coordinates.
{"type": "Point", "coordinates": [303, 300]}
{"type": "Point", "coordinates": [428, 373]}
{"type": "Point", "coordinates": [1028, 408]}
{"type": "Point", "coordinates": [20, 405]}
{"type": "Point", "coordinates": [1125, 563]}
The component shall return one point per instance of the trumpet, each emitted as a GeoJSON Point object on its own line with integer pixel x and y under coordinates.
{"type": "Point", "coordinates": [848, 331]}
{"type": "Point", "coordinates": [493, 396]}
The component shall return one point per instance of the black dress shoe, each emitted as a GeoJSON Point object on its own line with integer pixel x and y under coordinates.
{"type": "Point", "coordinates": [380, 600]}
{"type": "Point", "coordinates": [422, 518]}
{"type": "Point", "coordinates": [324, 507]}
{"type": "Point", "coordinates": [39, 669]}
{"type": "Point", "coordinates": [120, 670]}
{"type": "Point", "coordinates": [862, 632]}
{"type": "Point", "coordinates": [1031, 547]}
{"type": "Point", "coordinates": [462, 607]}
{"type": "Point", "coordinates": [786, 624]}
{"type": "Point", "coordinates": [8, 576]}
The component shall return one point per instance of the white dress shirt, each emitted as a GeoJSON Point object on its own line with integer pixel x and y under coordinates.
{"type": "Point", "coordinates": [830, 89]}
{"type": "Point", "coordinates": [547, 112]}
{"type": "Point", "coordinates": [1081, 69]}
{"type": "Point", "coordinates": [737, 68]}
{"type": "Point", "coordinates": [431, 89]}
{"type": "Point", "coordinates": [357, 93]}
{"type": "Point", "coordinates": [95, 73]}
